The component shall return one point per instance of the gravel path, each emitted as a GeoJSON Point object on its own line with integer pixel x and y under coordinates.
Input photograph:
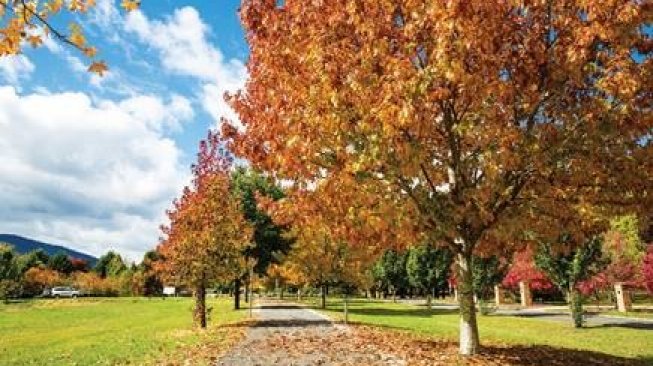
{"type": "Point", "coordinates": [286, 334]}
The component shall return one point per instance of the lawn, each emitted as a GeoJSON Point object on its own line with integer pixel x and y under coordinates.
{"type": "Point", "coordinates": [443, 324]}
{"type": "Point", "coordinates": [105, 331]}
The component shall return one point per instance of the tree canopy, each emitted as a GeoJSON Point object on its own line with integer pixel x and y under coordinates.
{"type": "Point", "coordinates": [463, 116]}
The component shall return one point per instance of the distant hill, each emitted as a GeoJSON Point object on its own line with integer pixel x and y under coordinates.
{"type": "Point", "coordinates": [25, 245]}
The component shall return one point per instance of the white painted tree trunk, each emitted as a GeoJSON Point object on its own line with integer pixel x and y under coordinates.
{"type": "Point", "coordinates": [469, 338]}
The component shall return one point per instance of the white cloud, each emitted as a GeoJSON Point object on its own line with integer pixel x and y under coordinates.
{"type": "Point", "coordinates": [184, 49]}
{"type": "Point", "coordinates": [88, 173]}
{"type": "Point", "coordinates": [15, 67]}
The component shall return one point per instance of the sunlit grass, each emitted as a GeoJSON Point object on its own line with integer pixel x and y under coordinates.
{"type": "Point", "coordinates": [443, 324]}
{"type": "Point", "coordinates": [100, 331]}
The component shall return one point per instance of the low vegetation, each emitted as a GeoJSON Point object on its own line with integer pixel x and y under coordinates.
{"type": "Point", "coordinates": [111, 331]}
{"type": "Point", "coordinates": [500, 330]}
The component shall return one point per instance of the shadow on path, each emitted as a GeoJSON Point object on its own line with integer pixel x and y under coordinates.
{"type": "Point", "coordinates": [289, 323]}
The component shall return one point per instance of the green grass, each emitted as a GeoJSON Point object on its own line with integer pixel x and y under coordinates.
{"type": "Point", "coordinates": [648, 314]}
{"type": "Point", "coordinates": [442, 324]}
{"type": "Point", "coordinates": [100, 331]}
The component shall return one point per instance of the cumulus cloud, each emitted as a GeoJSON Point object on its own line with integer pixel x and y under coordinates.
{"type": "Point", "coordinates": [15, 67]}
{"type": "Point", "coordinates": [184, 49]}
{"type": "Point", "coordinates": [95, 174]}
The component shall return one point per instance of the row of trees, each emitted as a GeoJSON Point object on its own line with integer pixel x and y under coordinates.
{"type": "Point", "coordinates": [477, 126]}
{"type": "Point", "coordinates": [30, 274]}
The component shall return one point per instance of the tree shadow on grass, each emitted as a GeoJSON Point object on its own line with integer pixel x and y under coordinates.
{"type": "Point", "coordinates": [539, 355]}
{"type": "Point", "coordinates": [493, 354]}
{"type": "Point", "coordinates": [280, 307]}
{"type": "Point", "coordinates": [630, 324]}
{"type": "Point", "coordinates": [424, 313]}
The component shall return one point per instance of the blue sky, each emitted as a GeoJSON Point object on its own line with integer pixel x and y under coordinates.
{"type": "Point", "coordinates": [92, 162]}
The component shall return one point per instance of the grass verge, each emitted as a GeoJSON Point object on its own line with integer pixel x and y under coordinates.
{"type": "Point", "coordinates": [110, 331]}
{"type": "Point", "coordinates": [635, 344]}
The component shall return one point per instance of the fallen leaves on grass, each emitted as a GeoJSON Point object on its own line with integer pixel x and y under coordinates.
{"type": "Point", "coordinates": [213, 343]}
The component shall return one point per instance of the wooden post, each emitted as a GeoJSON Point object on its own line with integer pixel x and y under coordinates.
{"type": "Point", "coordinates": [525, 292]}
{"type": "Point", "coordinates": [499, 295]}
{"type": "Point", "coordinates": [624, 303]}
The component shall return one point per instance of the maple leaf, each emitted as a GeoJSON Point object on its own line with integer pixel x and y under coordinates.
{"type": "Point", "coordinates": [98, 67]}
{"type": "Point", "coordinates": [130, 5]}
{"type": "Point", "coordinates": [90, 52]}
{"type": "Point", "coordinates": [35, 41]}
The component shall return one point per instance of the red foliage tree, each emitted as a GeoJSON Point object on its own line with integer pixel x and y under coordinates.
{"type": "Point", "coordinates": [647, 269]}
{"type": "Point", "coordinates": [523, 269]}
{"type": "Point", "coordinates": [207, 230]}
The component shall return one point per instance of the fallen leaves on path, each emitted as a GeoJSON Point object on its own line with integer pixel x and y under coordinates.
{"type": "Point", "coordinates": [364, 345]}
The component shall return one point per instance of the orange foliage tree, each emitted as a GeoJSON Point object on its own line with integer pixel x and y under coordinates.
{"type": "Point", "coordinates": [39, 278]}
{"type": "Point", "coordinates": [207, 231]}
{"type": "Point", "coordinates": [29, 22]}
{"type": "Point", "coordinates": [461, 114]}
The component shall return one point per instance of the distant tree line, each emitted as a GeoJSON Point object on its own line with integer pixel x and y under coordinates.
{"type": "Point", "coordinates": [32, 274]}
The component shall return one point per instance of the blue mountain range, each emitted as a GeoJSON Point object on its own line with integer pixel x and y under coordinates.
{"type": "Point", "coordinates": [24, 245]}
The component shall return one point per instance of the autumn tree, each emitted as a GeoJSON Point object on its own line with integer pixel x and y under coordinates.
{"type": "Point", "coordinates": [321, 259]}
{"type": "Point", "coordinates": [523, 268]}
{"type": "Point", "coordinates": [24, 22]}
{"type": "Point", "coordinates": [207, 232]}
{"type": "Point", "coordinates": [427, 267]}
{"type": "Point", "coordinates": [463, 113]}
{"type": "Point", "coordinates": [39, 278]}
{"type": "Point", "coordinates": [625, 251]}
{"type": "Point", "coordinates": [647, 269]}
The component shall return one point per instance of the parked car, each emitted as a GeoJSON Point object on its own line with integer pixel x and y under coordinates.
{"type": "Point", "coordinates": [64, 292]}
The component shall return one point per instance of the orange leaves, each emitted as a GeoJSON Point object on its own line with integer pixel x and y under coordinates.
{"type": "Point", "coordinates": [130, 5]}
{"type": "Point", "coordinates": [35, 41]}
{"type": "Point", "coordinates": [98, 67]}
{"type": "Point", "coordinates": [207, 231]}
{"type": "Point", "coordinates": [28, 22]}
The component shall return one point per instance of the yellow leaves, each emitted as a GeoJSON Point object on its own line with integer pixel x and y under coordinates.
{"type": "Point", "coordinates": [130, 5]}
{"type": "Point", "coordinates": [54, 6]}
{"type": "Point", "coordinates": [35, 41]}
{"type": "Point", "coordinates": [30, 21]}
{"type": "Point", "coordinates": [90, 52]}
{"type": "Point", "coordinates": [98, 67]}
{"type": "Point", "coordinates": [76, 37]}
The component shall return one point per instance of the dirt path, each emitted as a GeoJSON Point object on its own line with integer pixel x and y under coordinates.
{"type": "Point", "coordinates": [286, 334]}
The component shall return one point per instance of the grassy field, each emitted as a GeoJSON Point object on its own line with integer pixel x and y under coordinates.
{"type": "Point", "coordinates": [617, 341]}
{"type": "Point", "coordinates": [104, 331]}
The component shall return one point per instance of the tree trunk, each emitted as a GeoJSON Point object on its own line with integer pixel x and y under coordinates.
{"type": "Point", "coordinates": [199, 314]}
{"type": "Point", "coordinates": [323, 299]}
{"type": "Point", "coordinates": [346, 310]}
{"type": "Point", "coordinates": [576, 306]}
{"type": "Point", "coordinates": [247, 290]}
{"type": "Point", "coordinates": [237, 294]}
{"type": "Point", "coordinates": [469, 338]}
{"type": "Point", "coordinates": [429, 302]}
{"type": "Point", "coordinates": [394, 295]}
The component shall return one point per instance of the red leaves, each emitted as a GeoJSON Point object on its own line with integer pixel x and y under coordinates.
{"type": "Point", "coordinates": [647, 269]}
{"type": "Point", "coordinates": [207, 230]}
